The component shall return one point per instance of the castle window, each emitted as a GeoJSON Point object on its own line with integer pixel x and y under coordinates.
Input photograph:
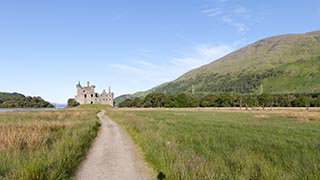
{"type": "Point", "coordinates": [85, 96]}
{"type": "Point", "coordinates": [91, 102]}
{"type": "Point", "coordinates": [96, 94]}
{"type": "Point", "coordinates": [84, 91]}
{"type": "Point", "coordinates": [91, 95]}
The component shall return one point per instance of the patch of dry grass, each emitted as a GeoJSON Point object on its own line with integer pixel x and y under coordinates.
{"type": "Point", "coordinates": [19, 135]}
{"type": "Point", "coordinates": [44, 144]}
{"type": "Point", "coordinates": [296, 113]}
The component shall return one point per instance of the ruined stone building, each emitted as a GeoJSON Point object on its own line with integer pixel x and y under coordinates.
{"type": "Point", "coordinates": [87, 95]}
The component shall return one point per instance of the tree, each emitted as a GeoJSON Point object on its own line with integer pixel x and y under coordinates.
{"type": "Point", "coordinates": [264, 100]}
{"type": "Point", "coordinates": [249, 100]}
{"type": "Point", "coordinates": [72, 103]}
{"type": "Point", "coordinates": [171, 101]}
{"type": "Point", "coordinates": [155, 99]}
{"type": "Point", "coordinates": [137, 102]}
{"type": "Point", "coordinates": [316, 102]}
{"type": "Point", "coordinates": [224, 100]}
{"type": "Point", "coordinates": [302, 101]}
{"type": "Point", "coordinates": [208, 100]}
{"type": "Point", "coordinates": [126, 103]}
{"type": "Point", "coordinates": [185, 100]}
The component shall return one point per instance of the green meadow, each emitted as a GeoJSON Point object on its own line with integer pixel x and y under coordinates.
{"type": "Point", "coordinates": [196, 144]}
{"type": "Point", "coordinates": [181, 143]}
{"type": "Point", "coordinates": [45, 144]}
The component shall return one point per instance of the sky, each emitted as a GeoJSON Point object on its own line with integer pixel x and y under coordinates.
{"type": "Point", "coordinates": [47, 46]}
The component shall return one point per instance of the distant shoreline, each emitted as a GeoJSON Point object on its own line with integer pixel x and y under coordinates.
{"type": "Point", "coordinates": [25, 109]}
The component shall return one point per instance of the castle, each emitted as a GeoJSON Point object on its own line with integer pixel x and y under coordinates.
{"type": "Point", "coordinates": [87, 95]}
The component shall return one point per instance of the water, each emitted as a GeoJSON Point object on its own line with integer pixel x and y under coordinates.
{"type": "Point", "coordinates": [24, 109]}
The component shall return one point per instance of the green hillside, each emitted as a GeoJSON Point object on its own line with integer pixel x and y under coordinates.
{"type": "Point", "coordinates": [297, 77]}
{"type": "Point", "coordinates": [16, 100]}
{"type": "Point", "coordinates": [282, 64]}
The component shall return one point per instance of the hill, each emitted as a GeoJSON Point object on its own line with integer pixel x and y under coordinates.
{"type": "Point", "coordinates": [16, 100]}
{"type": "Point", "coordinates": [281, 64]}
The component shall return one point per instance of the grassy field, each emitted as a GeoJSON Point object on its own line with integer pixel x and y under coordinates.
{"type": "Point", "coordinates": [196, 144]}
{"type": "Point", "coordinates": [45, 144]}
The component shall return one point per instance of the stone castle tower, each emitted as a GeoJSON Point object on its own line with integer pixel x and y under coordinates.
{"type": "Point", "coordinates": [87, 95]}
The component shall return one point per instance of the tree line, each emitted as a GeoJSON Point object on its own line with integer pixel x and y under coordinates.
{"type": "Point", "coordinates": [157, 99]}
{"type": "Point", "coordinates": [15, 100]}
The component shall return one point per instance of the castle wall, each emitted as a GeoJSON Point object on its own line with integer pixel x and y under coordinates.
{"type": "Point", "coordinates": [87, 95]}
{"type": "Point", "coordinates": [106, 98]}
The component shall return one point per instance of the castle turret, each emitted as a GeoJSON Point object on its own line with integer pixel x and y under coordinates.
{"type": "Point", "coordinates": [78, 85]}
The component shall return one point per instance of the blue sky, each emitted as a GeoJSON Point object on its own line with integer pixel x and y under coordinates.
{"type": "Point", "coordinates": [47, 46]}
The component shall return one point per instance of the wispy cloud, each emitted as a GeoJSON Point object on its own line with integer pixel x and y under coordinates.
{"type": "Point", "coordinates": [213, 52]}
{"type": "Point", "coordinates": [117, 16]}
{"type": "Point", "coordinates": [212, 12]}
{"type": "Point", "coordinates": [236, 16]}
{"type": "Point", "coordinates": [241, 10]}
{"type": "Point", "coordinates": [241, 27]}
{"type": "Point", "coordinates": [168, 69]}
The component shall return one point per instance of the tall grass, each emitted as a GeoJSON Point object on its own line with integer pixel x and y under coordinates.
{"type": "Point", "coordinates": [45, 145]}
{"type": "Point", "coordinates": [225, 145]}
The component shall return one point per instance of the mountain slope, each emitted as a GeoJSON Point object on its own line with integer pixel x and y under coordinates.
{"type": "Point", "coordinates": [264, 54]}
{"type": "Point", "coordinates": [282, 64]}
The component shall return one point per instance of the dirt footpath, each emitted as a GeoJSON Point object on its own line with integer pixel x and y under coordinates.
{"type": "Point", "coordinates": [113, 156]}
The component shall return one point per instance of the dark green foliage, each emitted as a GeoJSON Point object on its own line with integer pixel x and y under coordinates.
{"type": "Point", "coordinates": [185, 100]}
{"type": "Point", "coordinates": [265, 99]}
{"type": "Point", "coordinates": [157, 99]}
{"type": "Point", "coordinates": [302, 101]}
{"type": "Point", "coordinates": [5, 96]}
{"type": "Point", "coordinates": [16, 100]}
{"type": "Point", "coordinates": [137, 102]}
{"type": "Point", "coordinates": [122, 98]}
{"type": "Point", "coordinates": [126, 103]}
{"type": "Point", "coordinates": [72, 103]}
{"type": "Point", "coordinates": [316, 102]}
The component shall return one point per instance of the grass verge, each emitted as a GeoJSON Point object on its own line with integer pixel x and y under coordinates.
{"type": "Point", "coordinates": [186, 144]}
{"type": "Point", "coordinates": [45, 144]}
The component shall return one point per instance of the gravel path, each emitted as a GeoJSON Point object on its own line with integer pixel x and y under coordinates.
{"type": "Point", "coordinates": [112, 156]}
